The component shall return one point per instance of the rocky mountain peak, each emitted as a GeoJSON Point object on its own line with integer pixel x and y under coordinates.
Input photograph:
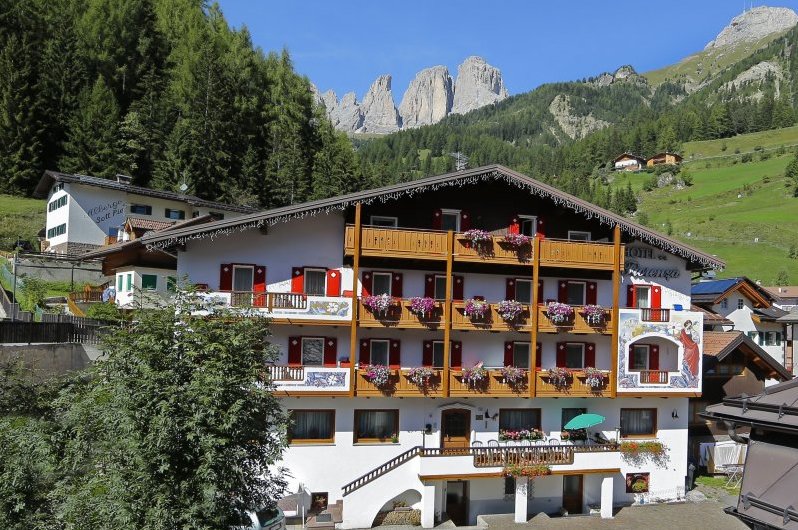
{"type": "Point", "coordinates": [379, 112]}
{"type": "Point", "coordinates": [428, 99]}
{"type": "Point", "coordinates": [753, 25]}
{"type": "Point", "coordinates": [478, 84]}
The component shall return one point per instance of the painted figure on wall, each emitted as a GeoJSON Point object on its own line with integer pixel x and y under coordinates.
{"type": "Point", "coordinates": [692, 355]}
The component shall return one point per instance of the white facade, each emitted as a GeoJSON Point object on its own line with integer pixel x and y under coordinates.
{"type": "Point", "coordinates": [770, 336]}
{"type": "Point", "coordinates": [135, 285]}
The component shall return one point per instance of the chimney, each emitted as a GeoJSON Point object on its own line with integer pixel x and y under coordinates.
{"type": "Point", "coordinates": [123, 179]}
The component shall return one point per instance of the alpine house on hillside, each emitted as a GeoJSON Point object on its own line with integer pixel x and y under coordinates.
{"type": "Point", "coordinates": [458, 323]}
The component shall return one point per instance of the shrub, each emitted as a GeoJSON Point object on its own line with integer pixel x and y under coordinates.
{"type": "Point", "coordinates": [765, 156]}
{"type": "Point", "coordinates": [723, 146]}
{"type": "Point", "coordinates": [747, 157]}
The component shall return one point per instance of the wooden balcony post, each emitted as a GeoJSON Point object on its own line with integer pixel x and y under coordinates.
{"type": "Point", "coordinates": [616, 289]}
{"type": "Point", "coordinates": [353, 349]}
{"type": "Point", "coordinates": [447, 313]}
{"type": "Point", "coordinates": [533, 316]}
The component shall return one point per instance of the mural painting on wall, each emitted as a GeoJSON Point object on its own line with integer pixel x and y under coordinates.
{"type": "Point", "coordinates": [679, 330]}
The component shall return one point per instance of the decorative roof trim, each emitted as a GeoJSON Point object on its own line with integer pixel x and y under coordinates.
{"type": "Point", "coordinates": [284, 214]}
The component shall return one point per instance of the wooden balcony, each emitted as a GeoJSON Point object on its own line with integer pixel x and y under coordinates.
{"type": "Point", "coordinates": [270, 301]}
{"type": "Point", "coordinates": [493, 387]}
{"type": "Point", "coordinates": [654, 377]}
{"type": "Point", "coordinates": [577, 387]}
{"type": "Point", "coordinates": [400, 316]}
{"type": "Point", "coordinates": [577, 325]}
{"type": "Point", "coordinates": [397, 243]}
{"type": "Point", "coordinates": [399, 386]}
{"type": "Point", "coordinates": [492, 322]}
{"type": "Point", "coordinates": [578, 254]}
{"type": "Point", "coordinates": [655, 315]}
{"type": "Point", "coordinates": [501, 456]}
{"type": "Point", "coordinates": [494, 251]}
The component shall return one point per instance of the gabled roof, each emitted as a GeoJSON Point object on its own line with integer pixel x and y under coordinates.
{"type": "Point", "coordinates": [720, 344]}
{"type": "Point", "coordinates": [51, 177]}
{"type": "Point", "coordinates": [713, 291]}
{"type": "Point", "coordinates": [147, 224]}
{"type": "Point", "coordinates": [694, 256]}
{"type": "Point", "coordinates": [769, 314]}
{"type": "Point", "coordinates": [786, 291]}
{"type": "Point", "coordinates": [630, 155]}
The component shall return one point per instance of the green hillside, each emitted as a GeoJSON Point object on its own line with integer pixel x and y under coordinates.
{"type": "Point", "coordinates": [19, 217]}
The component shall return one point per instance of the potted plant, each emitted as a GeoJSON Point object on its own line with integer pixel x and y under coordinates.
{"type": "Point", "coordinates": [517, 241]}
{"type": "Point", "coordinates": [378, 375]}
{"type": "Point", "coordinates": [422, 306]}
{"type": "Point", "coordinates": [476, 376]}
{"type": "Point", "coordinates": [378, 303]}
{"type": "Point", "coordinates": [510, 310]}
{"type": "Point", "coordinates": [526, 470]}
{"type": "Point", "coordinates": [476, 309]}
{"type": "Point", "coordinates": [574, 435]}
{"type": "Point", "coordinates": [395, 438]}
{"type": "Point", "coordinates": [559, 313]}
{"type": "Point", "coordinates": [477, 237]}
{"type": "Point", "coordinates": [594, 378]}
{"type": "Point", "coordinates": [521, 434]}
{"type": "Point", "coordinates": [594, 315]}
{"type": "Point", "coordinates": [421, 376]}
{"type": "Point", "coordinates": [559, 377]}
{"type": "Point", "coordinates": [514, 376]}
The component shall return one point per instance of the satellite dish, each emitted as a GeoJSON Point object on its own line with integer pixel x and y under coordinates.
{"type": "Point", "coordinates": [183, 187]}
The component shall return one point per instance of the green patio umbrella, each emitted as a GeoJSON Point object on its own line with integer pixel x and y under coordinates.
{"type": "Point", "coordinates": [583, 421]}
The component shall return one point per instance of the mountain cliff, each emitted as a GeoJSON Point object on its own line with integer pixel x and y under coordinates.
{"type": "Point", "coordinates": [753, 25]}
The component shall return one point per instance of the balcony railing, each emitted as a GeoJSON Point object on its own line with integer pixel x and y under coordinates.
{"type": "Point", "coordinates": [308, 380]}
{"type": "Point", "coordinates": [578, 254]}
{"type": "Point", "coordinates": [494, 386]}
{"type": "Point", "coordinates": [494, 251]}
{"type": "Point", "coordinates": [579, 323]}
{"type": "Point", "coordinates": [491, 322]}
{"type": "Point", "coordinates": [504, 456]}
{"type": "Point", "coordinates": [576, 387]}
{"type": "Point", "coordinates": [268, 300]}
{"type": "Point", "coordinates": [288, 306]}
{"type": "Point", "coordinates": [286, 373]}
{"type": "Point", "coordinates": [397, 243]}
{"type": "Point", "coordinates": [654, 377]}
{"type": "Point", "coordinates": [655, 315]}
{"type": "Point", "coordinates": [400, 385]}
{"type": "Point", "coordinates": [400, 316]}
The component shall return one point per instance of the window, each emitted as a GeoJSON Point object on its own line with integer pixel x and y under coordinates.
{"type": "Point", "coordinates": [57, 231]}
{"type": "Point", "coordinates": [120, 282]}
{"type": "Point", "coordinates": [638, 422]}
{"type": "Point", "coordinates": [574, 355]}
{"type": "Point", "coordinates": [569, 414]}
{"type": "Point", "coordinates": [379, 352]}
{"type": "Point", "coordinates": [243, 278]}
{"type": "Point", "coordinates": [56, 204]}
{"type": "Point", "coordinates": [773, 338]}
{"type": "Point", "coordinates": [149, 282]}
{"type": "Point", "coordinates": [643, 296]}
{"type": "Point", "coordinates": [753, 335]}
{"type": "Point", "coordinates": [515, 419]}
{"type": "Point", "coordinates": [130, 281]}
{"type": "Point", "coordinates": [171, 284]}
{"type": "Point", "coordinates": [576, 293]}
{"type": "Point", "coordinates": [311, 426]}
{"type": "Point", "coordinates": [141, 209]}
{"type": "Point", "coordinates": [521, 354]}
{"type": "Point", "coordinates": [740, 303]}
{"type": "Point", "coordinates": [170, 213]}
{"type": "Point", "coordinates": [312, 351]}
{"type": "Point", "coordinates": [315, 282]}
{"type": "Point", "coordinates": [639, 360]}
{"type": "Point", "coordinates": [381, 283]}
{"type": "Point", "coordinates": [58, 187]}
{"type": "Point", "coordinates": [576, 235]}
{"type": "Point", "coordinates": [523, 291]}
{"type": "Point", "coordinates": [376, 425]}
{"type": "Point", "coordinates": [450, 220]}
{"type": "Point", "coordinates": [529, 225]}
{"type": "Point", "coordinates": [440, 287]}
{"type": "Point", "coordinates": [437, 354]}
{"type": "Point", "coordinates": [724, 304]}
{"type": "Point", "coordinates": [387, 222]}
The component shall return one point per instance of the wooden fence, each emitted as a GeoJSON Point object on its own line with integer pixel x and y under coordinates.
{"type": "Point", "coordinates": [16, 332]}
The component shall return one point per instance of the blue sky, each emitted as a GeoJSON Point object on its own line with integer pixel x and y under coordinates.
{"type": "Point", "coordinates": [345, 45]}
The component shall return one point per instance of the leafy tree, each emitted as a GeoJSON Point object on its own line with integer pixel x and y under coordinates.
{"type": "Point", "coordinates": [783, 277]}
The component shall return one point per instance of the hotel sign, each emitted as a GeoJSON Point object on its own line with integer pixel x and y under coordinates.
{"type": "Point", "coordinates": [636, 263]}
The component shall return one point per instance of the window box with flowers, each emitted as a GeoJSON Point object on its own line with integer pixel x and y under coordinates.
{"type": "Point", "coordinates": [573, 435]}
{"type": "Point", "coordinates": [559, 314]}
{"type": "Point", "coordinates": [510, 310]}
{"type": "Point", "coordinates": [476, 309]}
{"type": "Point", "coordinates": [514, 376]}
{"type": "Point", "coordinates": [423, 307]}
{"type": "Point", "coordinates": [476, 377]}
{"type": "Point", "coordinates": [517, 241]}
{"type": "Point", "coordinates": [529, 435]}
{"type": "Point", "coordinates": [637, 452]}
{"type": "Point", "coordinates": [526, 470]}
{"type": "Point", "coordinates": [422, 377]}
{"type": "Point", "coordinates": [479, 240]}
{"type": "Point", "coordinates": [595, 315]}
{"type": "Point", "coordinates": [594, 378]}
{"type": "Point", "coordinates": [560, 377]}
{"type": "Point", "coordinates": [379, 304]}
{"type": "Point", "coordinates": [379, 375]}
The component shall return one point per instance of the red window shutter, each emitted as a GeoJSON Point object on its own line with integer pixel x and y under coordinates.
{"type": "Point", "coordinates": [515, 225]}
{"type": "Point", "coordinates": [465, 221]}
{"type": "Point", "coordinates": [333, 282]}
{"type": "Point", "coordinates": [591, 296]}
{"type": "Point", "coordinates": [330, 351]}
{"type": "Point", "coordinates": [365, 352]}
{"type": "Point", "coordinates": [590, 354]}
{"type": "Point", "coordinates": [394, 354]}
{"type": "Point", "coordinates": [540, 292]}
{"type": "Point", "coordinates": [562, 291]}
{"type": "Point", "coordinates": [426, 354]}
{"type": "Point", "coordinates": [456, 354]}
{"type": "Point", "coordinates": [457, 289]}
{"type": "Point", "coordinates": [225, 277]}
{"type": "Point", "coordinates": [541, 233]}
{"type": "Point", "coordinates": [508, 353]}
{"type": "Point", "coordinates": [538, 356]}
{"type": "Point", "coordinates": [259, 286]}
{"type": "Point", "coordinates": [509, 291]}
{"type": "Point", "coordinates": [656, 297]}
{"type": "Point", "coordinates": [396, 285]}
{"type": "Point", "coordinates": [429, 285]}
{"type": "Point", "coordinates": [630, 296]}
{"type": "Point", "coordinates": [366, 282]}
{"type": "Point", "coordinates": [298, 280]}
{"type": "Point", "coordinates": [653, 357]}
{"type": "Point", "coordinates": [437, 219]}
{"type": "Point", "coordinates": [294, 351]}
{"type": "Point", "coordinates": [561, 354]}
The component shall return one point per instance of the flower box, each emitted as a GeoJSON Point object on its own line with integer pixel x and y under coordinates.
{"type": "Point", "coordinates": [476, 376]}
{"type": "Point", "coordinates": [510, 310]}
{"type": "Point", "coordinates": [513, 376]}
{"type": "Point", "coordinates": [574, 435]}
{"type": "Point", "coordinates": [421, 377]}
{"type": "Point", "coordinates": [634, 448]}
{"type": "Point", "coordinates": [521, 434]}
{"type": "Point", "coordinates": [476, 309]}
{"type": "Point", "coordinates": [378, 303]}
{"type": "Point", "coordinates": [594, 378]}
{"type": "Point", "coordinates": [517, 241]}
{"type": "Point", "coordinates": [477, 237]}
{"type": "Point", "coordinates": [422, 306]}
{"type": "Point", "coordinates": [526, 470]}
{"type": "Point", "coordinates": [378, 375]}
{"type": "Point", "coordinates": [595, 315]}
{"type": "Point", "coordinates": [560, 377]}
{"type": "Point", "coordinates": [559, 313]}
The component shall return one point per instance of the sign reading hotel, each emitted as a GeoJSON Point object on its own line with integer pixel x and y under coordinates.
{"type": "Point", "coordinates": [648, 262]}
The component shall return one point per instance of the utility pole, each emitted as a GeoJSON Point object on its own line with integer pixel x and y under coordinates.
{"type": "Point", "coordinates": [16, 260]}
{"type": "Point", "coordinates": [460, 161]}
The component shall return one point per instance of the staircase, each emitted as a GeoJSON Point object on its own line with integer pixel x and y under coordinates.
{"type": "Point", "coordinates": [382, 469]}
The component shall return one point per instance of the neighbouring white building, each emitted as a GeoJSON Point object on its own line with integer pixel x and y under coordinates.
{"type": "Point", "coordinates": [401, 394]}
{"type": "Point", "coordinates": [85, 212]}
